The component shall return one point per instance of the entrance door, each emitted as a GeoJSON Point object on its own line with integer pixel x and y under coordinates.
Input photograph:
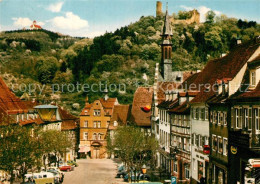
{"type": "Point", "coordinates": [96, 153]}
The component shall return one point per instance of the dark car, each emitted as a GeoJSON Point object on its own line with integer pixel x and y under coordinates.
{"type": "Point", "coordinates": [121, 174]}
{"type": "Point", "coordinates": [142, 177]}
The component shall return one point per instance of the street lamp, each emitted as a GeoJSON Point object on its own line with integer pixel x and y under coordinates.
{"type": "Point", "coordinates": [46, 112]}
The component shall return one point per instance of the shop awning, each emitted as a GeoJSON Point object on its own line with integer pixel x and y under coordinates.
{"type": "Point", "coordinates": [84, 149]}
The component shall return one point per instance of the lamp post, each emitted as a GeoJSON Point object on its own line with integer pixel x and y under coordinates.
{"type": "Point", "coordinates": [46, 112]}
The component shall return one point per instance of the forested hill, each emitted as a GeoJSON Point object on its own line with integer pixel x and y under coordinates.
{"type": "Point", "coordinates": [127, 55]}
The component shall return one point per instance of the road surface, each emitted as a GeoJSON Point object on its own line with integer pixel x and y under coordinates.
{"type": "Point", "coordinates": [93, 171]}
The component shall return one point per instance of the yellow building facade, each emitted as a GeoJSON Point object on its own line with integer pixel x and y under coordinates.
{"type": "Point", "coordinates": [94, 122]}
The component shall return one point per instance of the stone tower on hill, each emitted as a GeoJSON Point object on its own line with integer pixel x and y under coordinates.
{"type": "Point", "coordinates": [195, 15]}
{"type": "Point", "coordinates": [159, 9]}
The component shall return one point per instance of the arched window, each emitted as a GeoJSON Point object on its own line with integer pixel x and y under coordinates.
{"type": "Point", "coordinates": [99, 137]}
{"type": "Point", "coordinates": [165, 53]}
{"type": "Point", "coordinates": [169, 52]}
{"type": "Point", "coordinates": [94, 136]}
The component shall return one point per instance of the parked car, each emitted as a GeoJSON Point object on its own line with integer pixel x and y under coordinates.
{"type": "Point", "coordinates": [42, 177]}
{"type": "Point", "coordinates": [121, 174]}
{"type": "Point", "coordinates": [59, 176]}
{"type": "Point", "coordinates": [65, 168]}
{"type": "Point", "coordinates": [72, 163]}
{"type": "Point", "coordinates": [142, 177]}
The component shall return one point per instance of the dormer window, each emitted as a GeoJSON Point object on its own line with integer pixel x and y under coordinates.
{"type": "Point", "coordinates": [253, 78]}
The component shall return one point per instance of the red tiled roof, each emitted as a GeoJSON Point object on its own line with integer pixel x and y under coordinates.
{"type": "Point", "coordinates": [183, 108]}
{"type": "Point", "coordinates": [251, 94]}
{"type": "Point", "coordinates": [163, 87]}
{"type": "Point", "coordinates": [9, 102]}
{"type": "Point", "coordinates": [37, 26]}
{"type": "Point", "coordinates": [37, 121]}
{"type": "Point", "coordinates": [225, 67]}
{"type": "Point", "coordinates": [143, 96]}
{"type": "Point", "coordinates": [120, 114]}
{"type": "Point", "coordinates": [108, 106]}
{"type": "Point", "coordinates": [69, 121]}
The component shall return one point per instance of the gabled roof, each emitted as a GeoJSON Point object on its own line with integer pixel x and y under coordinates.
{"type": "Point", "coordinates": [10, 103]}
{"type": "Point", "coordinates": [69, 121]}
{"type": "Point", "coordinates": [225, 67]}
{"type": "Point", "coordinates": [121, 115]}
{"type": "Point", "coordinates": [143, 97]}
{"type": "Point", "coordinates": [107, 104]}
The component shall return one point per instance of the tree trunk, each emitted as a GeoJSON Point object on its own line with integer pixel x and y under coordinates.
{"type": "Point", "coordinates": [12, 177]}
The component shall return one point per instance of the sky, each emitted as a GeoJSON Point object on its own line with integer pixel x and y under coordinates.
{"type": "Point", "coordinates": [90, 18]}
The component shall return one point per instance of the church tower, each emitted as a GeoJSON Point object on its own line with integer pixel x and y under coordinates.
{"type": "Point", "coordinates": [166, 48]}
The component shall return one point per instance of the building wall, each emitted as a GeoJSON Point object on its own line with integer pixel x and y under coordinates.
{"type": "Point", "coordinates": [90, 129]}
{"type": "Point", "coordinates": [200, 128]}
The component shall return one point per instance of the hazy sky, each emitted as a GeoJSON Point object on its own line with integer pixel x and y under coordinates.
{"type": "Point", "coordinates": [94, 17]}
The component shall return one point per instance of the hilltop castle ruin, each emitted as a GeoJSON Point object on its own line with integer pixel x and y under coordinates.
{"type": "Point", "coordinates": [195, 18]}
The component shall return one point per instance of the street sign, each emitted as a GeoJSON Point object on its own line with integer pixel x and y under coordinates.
{"type": "Point", "coordinates": [173, 180]}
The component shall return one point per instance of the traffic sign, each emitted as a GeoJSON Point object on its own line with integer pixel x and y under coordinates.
{"type": "Point", "coordinates": [173, 180]}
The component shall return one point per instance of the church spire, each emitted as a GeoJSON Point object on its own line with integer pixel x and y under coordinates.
{"type": "Point", "coordinates": [167, 30]}
{"type": "Point", "coordinates": [166, 48]}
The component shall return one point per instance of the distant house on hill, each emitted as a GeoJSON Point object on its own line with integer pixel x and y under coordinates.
{"type": "Point", "coordinates": [34, 26]}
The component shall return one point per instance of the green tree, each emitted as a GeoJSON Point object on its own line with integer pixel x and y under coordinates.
{"type": "Point", "coordinates": [46, 69]}
{"type": "Point", "coordinates": [134, 147]}
{"type": "Point", "coordinates": [210, 15]}
{"type": "Point", "coordinates": [19, 149]}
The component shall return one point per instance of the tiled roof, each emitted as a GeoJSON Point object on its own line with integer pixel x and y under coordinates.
{"type": "Point", "coordinates": [184, 108]}
{"type": "Point", "coordinates": [225, 67]}
{"type": "Point", "coordinates": [121, 114]}
{"type": "Point", "coordinates": [69, 121]}
{"type": "Point", "coordinates": [108, 106]}
{"type": "Point", "coordinates": [163, 87]}
{"type": "Point", "coordinates": [168, 104]}
{"type": "Point", "coordinates": [143, 96]}
{"type": "Point", "coordinates": [255, 94]}
{"type": "Point", "coordinates": [37, 121]}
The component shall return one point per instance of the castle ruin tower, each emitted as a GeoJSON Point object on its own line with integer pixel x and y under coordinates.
{"type": "Point", "coordinates": [166, 48]}
{"type": "Point", "coordinates": [159, 9]}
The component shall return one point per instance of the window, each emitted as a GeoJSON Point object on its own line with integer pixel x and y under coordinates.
{"type": "Point", "coordinates": [197, 140]}
{"type": "Point", "coordinates": [225, 119]}
{"type": "Point", "coordinates": [206, 114]}
{"type": "Point", "coordinates": [215, 117]}
{"type": "Point", "coordinates": [253, 79]}
{"type": "Point", "coordinates": [99, 137]}
{"type": "Point", "coordinates": [237, 116]}
{"type": "Point", "coordinates": [197, 113]}
{"type": "Point", "coordinates": [250, 119]}
{"type": "Point", "coordinates": [220, 144]}
{"type": "Point", "coordinates": [225, 146]}
{"type": "Point", "coordinates": [219, 118]}
{"type": "Point", "coordinates": [245, 118]}
{"type": "Point", "coordinates": [175, 167]}
{"type": "Point", "coordinates": [85, 136]}
{"type": "Point", "coordinates": [202, 140]}
{"type": "Point", "coordinates": [192, 139]}
{"type": "Point", "coordinates": [211, 117]}
{"type": "Point", "coordinates": [214, 142]}
{"type": "Point", "coordinates": [202, 114]}
{"type": "Point", "coordinates": [95, 124]}
{"type": "Point", "coordinates": [187, 171]}
{"type": "Point", "coordinates": [96, 112]}
{"type": "Point", "coordinates": [94, 137]}
{"type": "Point", "coordinates": [256, 116]}
{"type": "Point", "coordinates": [98, 124]}
{"type": "Point", "coordinates": [191, 112]}
{"type": "Point", "coordinates": [85, 123]}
